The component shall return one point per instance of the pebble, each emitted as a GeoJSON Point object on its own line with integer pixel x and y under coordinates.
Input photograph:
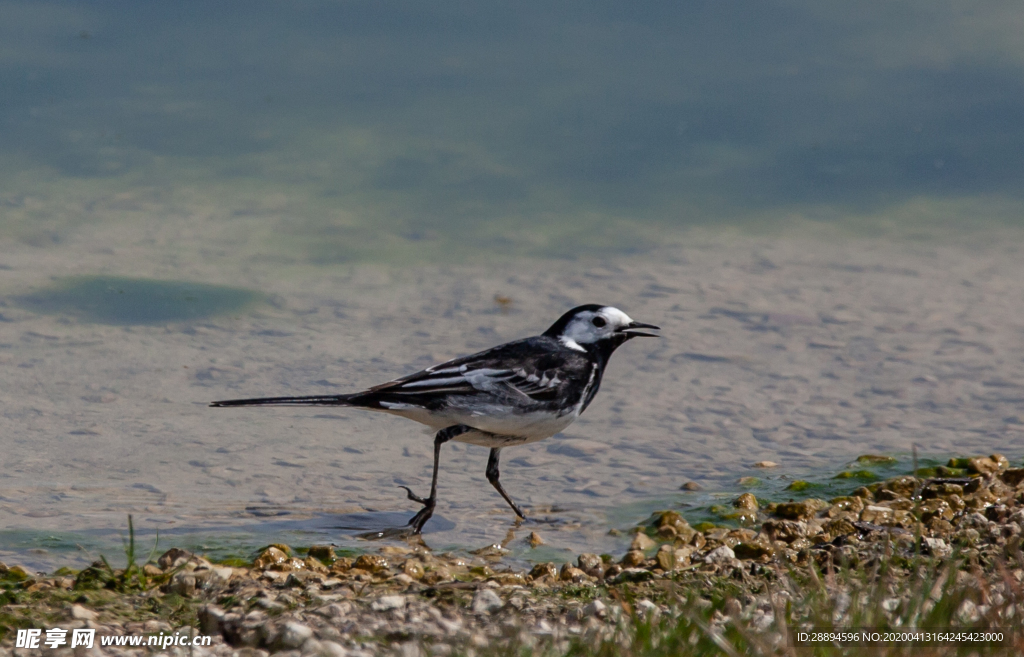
{"type": "Point", "coordinates": [691, 486]}
{"type": "Point", "coordinates": [642, 542]}
{"type": "Point", "coordinates": [486, 601]}
{"type": "Point", "coordinates": [388, 602]}
{"type": "Point", "coordinates": [720, 555]}
{"type": "Point", "coordinates": [633, 558]}
{"type": "Point", "coordinates": [766, 464]}
{"type": "Point", "coordinates": [746, 501]}
{"type": "Point", "coordinates": [272, 556]}
{"type": "Point", "coordinates": [78, 612]}
{"type": "Point", "coordinates": [588, 562]}
{"type": "Point", "coordinates": [293, 634]}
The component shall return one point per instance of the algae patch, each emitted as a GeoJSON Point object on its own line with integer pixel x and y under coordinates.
{"type": "Point", "coordinates": [127, 301]}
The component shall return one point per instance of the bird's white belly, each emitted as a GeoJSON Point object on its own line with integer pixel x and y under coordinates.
{"type": "Point", "coordinates": [497, 426]}
{"type": "Point", "coordinates": [513, 429]}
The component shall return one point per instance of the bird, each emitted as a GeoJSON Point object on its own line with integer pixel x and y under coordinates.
{"type": "Point", "coordinates": [513, 394]}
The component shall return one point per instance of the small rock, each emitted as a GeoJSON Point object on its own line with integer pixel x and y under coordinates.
{"type": "Point", "coordinates": [683, 556]}
{"type": "Point", "coordinates": [751, 550]}
{"type": "Point", "coordinates": [183, 584]}
{"type": "Point", "coordinates": [293, 635]}
{"type": "Point", "coordinates": [803, 510]}
{"type": "Point", "coordinates": [766, 464]}
{"type": "Point", "coordinates": [302, 578]}
{"type": "Point", "coordinates": [645, 607]}
{"type": "Point", "coordinates": [720, 555]}
{"type": "Point", "coordinates": [173, 558]}
{"type": "Point", "coordinates": [642, 542]}
{"type": "Point", "coordinates": [876, 515]}
{"type": "Point", "coordinates": [272, 556]}
{"type": "Point", "coordinates": [389, 602]}
{"type": "Point", "coordinates": [671, 519]}
{"type": "Point", "coordinates": [373, 563]}
{"type": "Point", "coordinates": [510, 579]}
{"type": "Point", "coordinates": [571, 574]}
{"type": "Point", "coordinates": [78, 612]}
{"type": "Point", "coordinates": [666, 558]}
{"type": "Point", "coordinates": [325, 553]}
{"type": "Point", "coordinates": [542, 570]}
{"type": "Point", "coordinates": [1013, 477]}
{"type": "Point", "coordinates": [937, 547]}
{"type": "Point", "coordinates": [746, 501]}
{"type": "Point", "coordinates": [595, 608]}
{"type": "Point", "coordinates": [413, 569]}
{"type": "Point", "coordinates": [691, 486]}
{"type": "Point", "coordinates": [785, 530]}
{"type": "Point", "coordinates": [588, 562]}
{"type": "Point", "coordinates": [327, 649]}
{"type": "Point", "coordinates": [486, 601]}
{"type": "Point", "coordinates": [534, 539]}
{"type": "Point", "coordinates": [332, 649]}
{"type": "Point", "coordinates": [902, 486]}
{"type": "Point", "coordinates": [633, 559]}
{"type": "Point", "coordinates": [632, 575]}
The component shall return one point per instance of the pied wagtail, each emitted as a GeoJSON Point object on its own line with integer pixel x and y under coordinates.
{"type": "Point", "coordinates": [512, 394]}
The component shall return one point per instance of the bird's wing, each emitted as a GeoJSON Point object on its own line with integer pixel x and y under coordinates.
{"type": "Point", "coordinates": [526, 368]}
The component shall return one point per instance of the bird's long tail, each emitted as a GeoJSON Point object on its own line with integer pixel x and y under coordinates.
{"type": "Point", "coordinates": [315, 400]}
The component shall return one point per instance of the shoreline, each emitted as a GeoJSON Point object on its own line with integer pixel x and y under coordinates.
{"type": "Point", "coordinates": [956, 528]}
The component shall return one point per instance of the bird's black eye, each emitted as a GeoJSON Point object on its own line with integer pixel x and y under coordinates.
{"type": "Point", "coordinates": [598, 322]}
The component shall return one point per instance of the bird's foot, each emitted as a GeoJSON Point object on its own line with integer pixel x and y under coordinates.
{"type": "Point", "coordinates": [421, 518]}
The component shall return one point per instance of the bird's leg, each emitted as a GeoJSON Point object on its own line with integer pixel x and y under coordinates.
{"type": "Point", "coordinates": [421, 518]}
{"type": "Point", "coordinates": [492, 476]}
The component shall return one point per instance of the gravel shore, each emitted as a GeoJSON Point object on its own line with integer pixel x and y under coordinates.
{"type": "Point", "coordinates": [957, 525]}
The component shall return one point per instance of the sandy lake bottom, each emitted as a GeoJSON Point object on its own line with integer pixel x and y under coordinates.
{"type": "Point", "coordinates": [805, 352]}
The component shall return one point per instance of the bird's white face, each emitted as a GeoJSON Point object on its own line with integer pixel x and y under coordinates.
{"type": "Point", "coordinates": [588, 327]}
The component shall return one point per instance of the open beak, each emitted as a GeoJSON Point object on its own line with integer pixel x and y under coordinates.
{"type": "Point", "coordinates": [633, 330]}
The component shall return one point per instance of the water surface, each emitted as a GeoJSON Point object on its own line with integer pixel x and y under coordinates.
{"type": "Point", "coordinates": [820, 204]}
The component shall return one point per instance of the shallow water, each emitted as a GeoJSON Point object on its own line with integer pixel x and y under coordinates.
{"type": "Point", "coordinates": [803, 352]}
{"type": "Point", "coordinates": [207, 201]}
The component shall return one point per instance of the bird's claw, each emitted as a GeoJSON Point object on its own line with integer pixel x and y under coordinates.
{"type": "Point", "coordinates": [420, 519]}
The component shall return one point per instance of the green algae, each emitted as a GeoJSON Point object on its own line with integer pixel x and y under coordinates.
{"type": "Point", "coordinates": [862, 475]}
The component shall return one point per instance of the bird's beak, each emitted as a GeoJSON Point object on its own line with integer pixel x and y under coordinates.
{"type": "Point", "coordinates": [632, 330]}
